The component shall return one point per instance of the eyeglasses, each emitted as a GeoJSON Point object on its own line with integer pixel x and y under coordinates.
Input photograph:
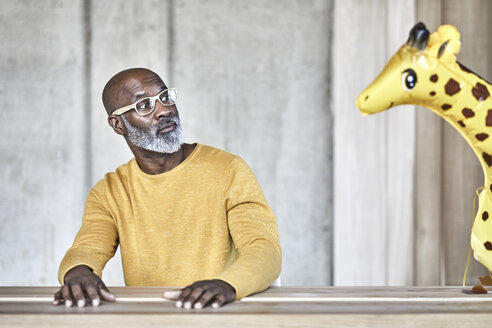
{"type": "Point", "coordinates": [145, 106]}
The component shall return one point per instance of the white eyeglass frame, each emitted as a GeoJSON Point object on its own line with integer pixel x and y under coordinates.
{"type": "Point", "coordinates": [125, 109]}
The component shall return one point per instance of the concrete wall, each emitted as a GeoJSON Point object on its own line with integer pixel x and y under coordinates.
{"type": "Point", "coordinates": [42, 136]}
{"type": "Point", "coordinates": [252, 79]}
{"type": "Point", "coordinates": [272, 81]}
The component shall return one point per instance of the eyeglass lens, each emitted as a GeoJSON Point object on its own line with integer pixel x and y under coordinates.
{"type": "Point", "coordinates": [168, 97]}
{"type": "Point", "coordinates": [146, 105]}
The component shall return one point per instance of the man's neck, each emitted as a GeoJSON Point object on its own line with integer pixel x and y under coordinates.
{"type": "Point", "coordinates": [156, 163]}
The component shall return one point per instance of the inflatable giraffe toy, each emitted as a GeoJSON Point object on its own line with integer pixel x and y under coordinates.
{"type": "Point", "coordinates": [425, 72]}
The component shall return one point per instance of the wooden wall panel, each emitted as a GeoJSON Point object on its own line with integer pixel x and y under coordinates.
{"type": "Point", "coordinates": [400, 143]}
{"type": "Point", "coordinates": [462, 173]}
{"type": "Point", "coordinates": [428, 176]}
{"type": "Point", "coordinates": [124, 34]}
{"type": "Point", "coordinates": [439, 245]}
{"type": "Point", "coordinates": [360, 182]}
{"type": "Point", "coordinates": [42, 134]}
{"type": "Point", "coordinates": [374, 156]}
{"type": "Point", "coordinates": [254, 81]}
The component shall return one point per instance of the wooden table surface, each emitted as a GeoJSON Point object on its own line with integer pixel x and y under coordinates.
{"type": "Point", "coordinates": [276, 307]}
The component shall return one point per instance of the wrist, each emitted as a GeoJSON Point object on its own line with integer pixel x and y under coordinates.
{"type": "Point", "coordinates": [229, 286]}
{"type": "Point", "coordinates": [77, 271]}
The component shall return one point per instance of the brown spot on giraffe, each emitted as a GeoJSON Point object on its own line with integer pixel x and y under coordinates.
{"type": "Point", "coordinates": [467, 112]}
{"type": "Point", "coordinates": [432, 93]}
{"type": "Point", "coordinates": [433, 78]}
{"type": "Point", "coordinates": [488, 119]}
{"type": "Point", "coordinates": [487, 158]}
{"type": "Point", "coordinates": [461, 124]}
{"type": "Point", "coordinates": [481, 136]}
{"type": "Point", "coordinates": [452, 87]}
{"type": "Point", "coordinates": [446, 106]}
{"type": "Point", "coordinates": [485, 215]}
{"type": "Point", "coordinates": [480, 92]}
{"type": "Point", "coordinates": [488, 245]}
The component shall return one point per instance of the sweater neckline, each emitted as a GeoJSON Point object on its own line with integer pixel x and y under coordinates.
{"type": "Point", "coordinates": [170, 172]}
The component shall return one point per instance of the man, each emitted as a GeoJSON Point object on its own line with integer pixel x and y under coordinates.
{"type": "Point", "coordinates": [183, 214]}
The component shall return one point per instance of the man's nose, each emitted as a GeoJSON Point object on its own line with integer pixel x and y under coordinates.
{"type": "Point", "coordinates": [161, 110]}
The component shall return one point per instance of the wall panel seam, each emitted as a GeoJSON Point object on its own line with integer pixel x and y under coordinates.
{"type": "Point", "coordinates": [86, 100]}
{"type": "Point", "coordinates": [331, 124]}
{"type": "Point", "coordinates": [171, 42]}
{"type": "Point", "coordinates": [442, 254]}
{"type": "Point", "coordinates": [387, 159]}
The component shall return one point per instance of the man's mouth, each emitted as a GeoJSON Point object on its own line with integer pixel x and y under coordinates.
{"type": "Point", "coordinates": [168, 127]}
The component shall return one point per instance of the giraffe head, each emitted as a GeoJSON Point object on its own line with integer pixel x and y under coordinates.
{"type": "Point", "coordinates": [408, 77]}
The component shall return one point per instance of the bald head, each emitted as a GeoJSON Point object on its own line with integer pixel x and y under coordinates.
{"type": "Point", "coordinates": [122, 88]}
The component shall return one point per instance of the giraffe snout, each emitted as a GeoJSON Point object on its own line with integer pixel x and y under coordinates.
{"type": "Point", "coordinates": [362, 104]}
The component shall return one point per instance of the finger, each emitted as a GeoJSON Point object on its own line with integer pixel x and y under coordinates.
{"type": "Point", "coordinates": [183, 296]}
{"type": "Point", "coordinates": [67, 296]}
{"type": "Point", "coordinates": [172, 294]}
{"type": "Point", "coordinates": [195, 294]}
{"type": "Point", "coordinates": [93, 294]}
{"type": "Point", "coordinates": [205, 299]}
{"type": "Point", "coordinates": [58, 298]}
{"type": "Point", "coordinates": [219, 301]}
{"type": "Point", "coordinates": [105, 293]}
{"type": "Point", "coordinates": [78, 295]}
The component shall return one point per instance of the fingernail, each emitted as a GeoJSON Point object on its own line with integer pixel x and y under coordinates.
{"type": "Point", "coordinates": [68, 303]}
{"type": "Point", "coordinates": [198, 305]}
{"type": "Point", "coordinates": [95, 302]}
{"type": "Point", "coordinates": [187, 305]}
{"type": "Point", "coordinates": [215, 305]}
{"type": "Point", "coordinates": [179, 304]}
{"type": "Point", "coordinates": [80, 303]}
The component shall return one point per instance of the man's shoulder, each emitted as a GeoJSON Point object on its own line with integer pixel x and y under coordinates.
{"type": "Point", "coordinates": [120, 173]}
{"type": "Point", "coordinates": [218, 157]}
{"type": "Point", "coordinates": [221, 160]}
{"type": "Point", "coordinates": [210, 151]}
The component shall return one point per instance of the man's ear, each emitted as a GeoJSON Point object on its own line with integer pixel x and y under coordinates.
{"type": "Point", "coordinates": [116, 122]}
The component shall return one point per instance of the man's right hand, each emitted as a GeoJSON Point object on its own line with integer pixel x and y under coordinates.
{"type": "Point", "coordinates": [81, 281]}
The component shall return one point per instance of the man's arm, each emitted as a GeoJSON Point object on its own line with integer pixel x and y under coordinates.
{"type": "Point", "coordinates": [254, 232]}
{"type": "Point", "coordinates": [81, 268]}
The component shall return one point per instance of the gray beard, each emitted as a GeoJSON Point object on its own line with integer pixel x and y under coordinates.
{"type": "Point", "coordinates": [150, 139]}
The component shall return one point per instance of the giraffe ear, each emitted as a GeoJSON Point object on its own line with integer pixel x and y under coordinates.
{"type": "Point", "coordinates": [445, 43]}
{"type": "Point", "coordinates": [450, 47]}
{"type": "Point", "coordinates": [419, 35]}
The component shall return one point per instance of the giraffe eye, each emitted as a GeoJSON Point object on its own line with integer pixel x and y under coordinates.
{"type": "Point", "coordinates": [408, 79]}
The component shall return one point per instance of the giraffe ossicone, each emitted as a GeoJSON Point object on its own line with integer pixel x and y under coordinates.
{"type": "Point", "coordinates": [425, 72]}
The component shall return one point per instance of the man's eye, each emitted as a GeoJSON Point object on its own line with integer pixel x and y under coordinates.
{"type": "Point", "coordinates": [143, 104]}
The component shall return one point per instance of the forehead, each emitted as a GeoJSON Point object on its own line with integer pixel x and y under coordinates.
{"type": "Point", "coordinates": [141, 85]}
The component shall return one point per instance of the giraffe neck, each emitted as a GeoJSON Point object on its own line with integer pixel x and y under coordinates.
{"type": "Point", "coordinates": [462, 98]}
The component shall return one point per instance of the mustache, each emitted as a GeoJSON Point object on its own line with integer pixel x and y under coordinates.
{"type": "Point", "coordinates": [171, 119]}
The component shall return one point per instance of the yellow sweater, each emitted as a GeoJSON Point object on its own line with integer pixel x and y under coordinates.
{"type": "Point", "coordinates": [205, 219]}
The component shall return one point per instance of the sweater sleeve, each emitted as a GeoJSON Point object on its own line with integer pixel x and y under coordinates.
{"type": "Point", "coordinates": [95, 243]}
{"type": "Point", "coordinates": [254, 232]}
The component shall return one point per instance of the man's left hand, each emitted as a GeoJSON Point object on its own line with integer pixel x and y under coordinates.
{"type": "Point", "coordinates": [202, 293]}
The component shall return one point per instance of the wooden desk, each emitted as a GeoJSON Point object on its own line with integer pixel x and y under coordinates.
{"type": "Point", "coordinates": [276, 307]}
